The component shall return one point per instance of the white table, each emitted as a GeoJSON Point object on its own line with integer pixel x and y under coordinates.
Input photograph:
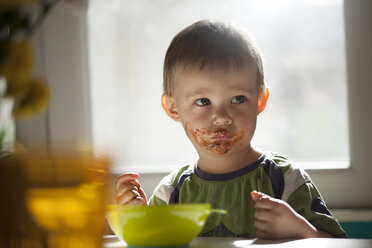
{"type": "Point", "coordinates": [111, 241]}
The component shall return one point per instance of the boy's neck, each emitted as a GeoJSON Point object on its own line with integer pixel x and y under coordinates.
{"type": "Point", "coordinates": [226, 164]}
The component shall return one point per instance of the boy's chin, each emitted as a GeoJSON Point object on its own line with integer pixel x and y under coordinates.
{"type": "Point", "coordinates": [221, 153]}
{"type": "Point", "coordinates": [218, 150]}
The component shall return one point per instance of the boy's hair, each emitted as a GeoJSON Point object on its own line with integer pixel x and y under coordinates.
{"type": "Point", "coordinates": [207, 44]}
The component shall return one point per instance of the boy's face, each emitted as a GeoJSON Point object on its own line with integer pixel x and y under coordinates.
{"type": "Point", "coordinates": [217, 108]}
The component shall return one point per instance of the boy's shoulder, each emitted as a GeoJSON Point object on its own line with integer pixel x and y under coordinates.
{"type": "Point", "coordinates": [174, 177]}
{"type": "Point", "coordinates": [167, 185]}
{"type": "Point", "coordinates": [293, 175]}
{"type": "Point", "coordinates": [285, 164]}
{"type": "Point", "coordinates": [279, 160]}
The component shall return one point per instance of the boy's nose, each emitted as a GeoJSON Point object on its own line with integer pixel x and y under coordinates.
{"type": "Point", "coordinates": [222, 119]}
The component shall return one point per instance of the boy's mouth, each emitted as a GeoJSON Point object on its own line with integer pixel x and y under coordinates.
{"type": "Point", "coordinates": [222, 135]}
{"type": "Point", "coordinates": [220, 141]}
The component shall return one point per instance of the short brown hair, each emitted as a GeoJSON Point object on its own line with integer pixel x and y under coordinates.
{"type": "Point", "coordinates": [212, 45]}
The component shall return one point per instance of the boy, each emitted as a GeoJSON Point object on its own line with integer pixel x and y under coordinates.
{"type": "Point", "coordinates": [214, 85]}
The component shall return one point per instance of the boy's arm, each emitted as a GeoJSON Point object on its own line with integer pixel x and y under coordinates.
{"type": "Point", "coordinates": [275, 219]}
{"type": "Point", "coordinates": [308, 202]}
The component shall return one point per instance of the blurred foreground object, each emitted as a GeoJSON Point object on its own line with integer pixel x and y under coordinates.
{"type": "Point", "coordinates": [7, 133]}
{"type": "Point", "coordinates": [17, 228]}
{"type": "Point", "coordinates": [64, 199]}
{"type": "Point", "coordinates": [21, 93]}
{"type": "Point", "coordinates": [18, 21]}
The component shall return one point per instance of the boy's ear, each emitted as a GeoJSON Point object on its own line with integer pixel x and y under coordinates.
{"type": "Point", "coordinates": [169, 105]}
{"type": "Point", "coordinates": [262, 100]}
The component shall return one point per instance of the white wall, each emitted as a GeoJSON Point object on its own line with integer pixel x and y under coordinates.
{"type": "Point", "coordinates": [62, 58]}
{"type": "Point", "coordinates": [61, 54]}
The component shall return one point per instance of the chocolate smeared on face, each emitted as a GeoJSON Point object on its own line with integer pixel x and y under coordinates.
{"type": "Point", "coordinates": [220, 141]}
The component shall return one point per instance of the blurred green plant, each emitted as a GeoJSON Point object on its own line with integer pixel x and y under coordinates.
{"type": "Point", "coordinates": [21, 94]}
{"type": "Point", "coordinates": [18, 21]}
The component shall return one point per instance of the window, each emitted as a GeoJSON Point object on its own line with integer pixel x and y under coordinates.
{"type": "Point", "coordinates": [302, 43]}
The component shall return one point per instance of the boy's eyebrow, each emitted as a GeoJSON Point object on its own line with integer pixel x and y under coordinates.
{"type": "Point", "coordinates": [244, 89]}
{"type": "Point", "coordinates": [202, 91]}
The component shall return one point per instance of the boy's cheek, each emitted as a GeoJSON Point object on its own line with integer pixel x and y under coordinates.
{"type": "Point", "coordinates": [192, 133]}
{"type": "Point", "coordinates": [198, 136]}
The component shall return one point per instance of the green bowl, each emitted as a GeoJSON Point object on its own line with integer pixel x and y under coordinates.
{"type": "Point", "coordinates": [156, 226]}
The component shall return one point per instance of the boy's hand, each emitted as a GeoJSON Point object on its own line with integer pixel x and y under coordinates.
{"type": "Point", "coordinates": [128, 191]}
{"type": "Point", "coordinates": [275, 219]}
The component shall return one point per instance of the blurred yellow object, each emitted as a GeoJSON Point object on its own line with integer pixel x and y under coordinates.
{"type": "Point", "coordinates": [16, 66]}
{"type": "Point", "coordinates": [53, 208]}
{"type": "Point", "coordinates": [36, 96]}
{"type": "Point", "coordinates": [17, 228]}
{"type": "Point", "coordinates": [74, 213]}
{"type": "Point", "coordinates": [67, 198]}
{"type": "Point", "coordinates": [154, 226]}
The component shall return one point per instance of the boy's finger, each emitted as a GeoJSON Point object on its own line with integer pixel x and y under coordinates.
{"type": "Point", "coordinates": [254, 195]}
{"type": "Point", "coordinates": [125, 178]}
{"type": "Point", "coordinates": [135, 182]}
{"type": "Point", "coordinates": [260, 225]}
{"type": "Point", "coordinates": [258, 195]}
{"type": "Point", "coordinates": [266, 203]}
{"type": "Point", "coordinates": [137, 201]}
{"type": "Point", "coordinates": [143, 194]}
{"type": "Point", "coordinates": [263, 214]}
{"type": "Point", "coordinates": [126, 197]}
{"type": "Point", "coordinates": [263, 234]}
{"type": "Point", "coordinates": [125, 187]}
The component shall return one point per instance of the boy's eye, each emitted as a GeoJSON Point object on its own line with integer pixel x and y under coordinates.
{"type": "Point", "coordinates": [238, 99]}
{"type": "Point", "coordinates": [202, 102]}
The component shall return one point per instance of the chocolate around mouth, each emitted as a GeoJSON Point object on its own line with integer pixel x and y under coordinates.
{"type": "Point", "coordinates": [219, 141]}
{"type": "Point", "coordinates": [221, 131]}
{"type": "Point", "coordinates": [220, 148]}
